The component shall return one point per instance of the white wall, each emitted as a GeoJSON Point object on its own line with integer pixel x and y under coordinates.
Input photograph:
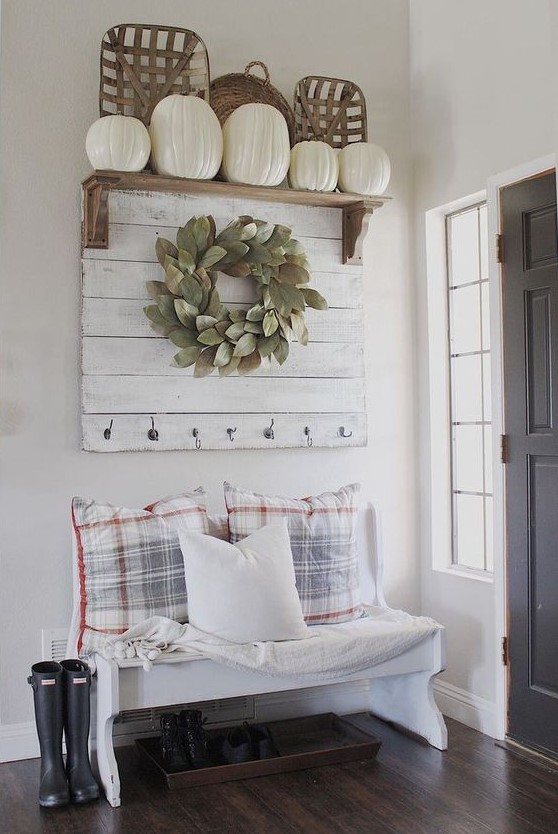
{"type": "Point", "coordinates": [482, 97]}
{"type": "Point", "coordinates": [49, 78]}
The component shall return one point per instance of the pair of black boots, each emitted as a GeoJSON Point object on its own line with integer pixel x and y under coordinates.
{"type": "Point", "coordinates": [184, 743]}
{"type": "Point", "coordinates": [61, 693]}
{"type": "Point", "coordinates": [248, 743]}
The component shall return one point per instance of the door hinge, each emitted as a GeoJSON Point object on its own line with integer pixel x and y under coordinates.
{"type": "Point", "coordinates": [504, 451]}
{"type": "Point", "coordinates": [500, 248]}
{"type": "Point", "coordinates": [504, 651]}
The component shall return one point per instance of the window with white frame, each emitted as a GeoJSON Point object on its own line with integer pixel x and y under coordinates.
{"type": "Point", "coordinates": [469, 379]}
{"type": "Point", "coordinates": [460, 387]}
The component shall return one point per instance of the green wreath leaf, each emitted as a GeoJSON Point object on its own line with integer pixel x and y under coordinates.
{"type": "Point", "coordinates": [254, 327]}
{"type": "Point", "coordinates": [204, 362]}
{"type": "Point", "coordinates": [186, 313]}
{"type": "Point", "coordinates": [270, 323]}
{"type": "Point", "coordinates": [281, 352]}
{"type": "Point", "coordinates": [235, 251]}
{"type": "Point", "coordinates": [203, 322]}
{"type": "Point", "coordinates": [240, 269]}
{"type": "Point", "coordinates": [299, 328]}
{"type": "Point", "coordinates": [164, 248]}
{"type": "Point", "coordinates": [280, 237]}
{"type": "Point", "coordinates": [210, 337]}
{"type": "Point", "coordinates": [268, 344]}
{"type": "Point", "coordinates": [186, 357]}
{"type": "Point", "coordinates": [191, 291]}
{"type": "Point", "coordinates": [183, 338]}
{"type": "Point", "coordinates": [173, 279]}
{"type": "Point", "coordinates": [265, 230]}
{"type": "Point", "coordinates": [166, 305]}
{"type": "Point", "coordinates": [255, 313]}
{"type": "Point", "coordinates": [213, 255]}
{"type": "Point", "coordinates": [238, 315]}
{"type": "Point", "coordinates": [235, 331]}
{"type": "Point", "coordinates": [224, 354]}
{"type": "Point", "coordinates": [229, 369]}
{"type": "Point", "coordinates": [249, 364]}
{"type": "Point", "coordinates": [285, 297]}
{"type": "Point", "coordinates": [314, 299]}
{"type": "Point", "coordinates": [245, 345]}
{"type": "Point", "coordinates": [158, 321]}
{"type": "Point", "coordinates": [290, 273]}
{"type": "Point", "coordinates": [200, 231]}
{"type": "Point", "coordinates": [257, 254]}
{"type": "Point", "coordinates": [186, 263]}
{"type": "Point", "coordinates": [186, 240]}
{"type": "Point", "coordinates": [204, 278]}
{"type": "Point", "coordinates": [157, 288]}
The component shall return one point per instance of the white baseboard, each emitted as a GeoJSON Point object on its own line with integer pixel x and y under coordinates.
{"type": "Point", "coordinates": [466, 708]}
{"type": "Point", "coordinates": [18, 741]}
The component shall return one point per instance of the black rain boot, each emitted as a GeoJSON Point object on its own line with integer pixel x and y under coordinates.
{"type": "Point", "coordinates": [193, 737]}
{"type": "Point", "coordinates": [47, 683]}
{"type": "Point", "coordinates": [77, 684]}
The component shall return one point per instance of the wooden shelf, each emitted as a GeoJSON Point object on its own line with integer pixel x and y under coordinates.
{"type": "Point", "coordinates": [356, 209]}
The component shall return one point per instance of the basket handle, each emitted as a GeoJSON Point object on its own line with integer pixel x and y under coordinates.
{"type": "Point", "coordinates": [258, 64]}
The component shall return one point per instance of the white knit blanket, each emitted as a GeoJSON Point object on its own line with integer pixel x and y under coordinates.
{"type": "Point", "coordinates": [330, 652]}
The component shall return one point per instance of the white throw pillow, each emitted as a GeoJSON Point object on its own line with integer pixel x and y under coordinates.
{"type": "Point", "coordinates": [243, 592]}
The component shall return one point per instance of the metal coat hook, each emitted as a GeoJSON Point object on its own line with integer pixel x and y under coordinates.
{"type": "Point", "coordinates": [268, 433]}
{"type": "Point", "coordinates": [308, 437]}
{"type": "Point", "coordinates": [108, 431]}
{"type": "Point", "coordinates": [341, 432]}
{"type": "Point", "coordinates": [153, 434]}
{"type": "Point", "coordinates": [196, 434]}
{"type": "Point", "coordinates": [230, 432]}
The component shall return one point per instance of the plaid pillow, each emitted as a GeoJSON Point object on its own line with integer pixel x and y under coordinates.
{"type": "Point", "coordinates": [130, 565]}
{"type": "Point", "coordinates": [322, 530]}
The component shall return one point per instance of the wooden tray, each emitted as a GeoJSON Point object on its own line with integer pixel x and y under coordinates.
{"type": "Point", "coordinates": [303, 742]}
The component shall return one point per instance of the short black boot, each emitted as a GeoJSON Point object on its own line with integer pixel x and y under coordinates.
{"type": "Point", "coordinates": [171, 747]}
{"type": "Point", "coordinates": [77, 685]}
{"type": "Point", "coordinates": [47, 682]}
{"type": "Point", "coordinates": [193, 738]}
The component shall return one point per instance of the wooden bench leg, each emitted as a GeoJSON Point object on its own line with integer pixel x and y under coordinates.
{"type": "Point", "coordinates": [107, 709]}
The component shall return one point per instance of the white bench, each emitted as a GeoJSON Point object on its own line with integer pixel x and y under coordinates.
{"type": "Point", "coordinates": [400, 690]}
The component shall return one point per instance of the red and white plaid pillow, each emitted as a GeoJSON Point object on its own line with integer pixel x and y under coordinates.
{"type": "Point", "coordinates": [130, 565]}
{"type": "Point", "coordinates": [322, 531]}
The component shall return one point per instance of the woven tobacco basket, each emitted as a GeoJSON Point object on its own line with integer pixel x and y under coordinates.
{"type": "Point", "coordinates": [140, 65]}
{"type": "Point", "coordinates": [329, 109]}
{"type": "Point", "coordinates": [230, 91]}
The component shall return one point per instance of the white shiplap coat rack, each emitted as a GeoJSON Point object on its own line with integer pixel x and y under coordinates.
{"type": "Point", "coordinates": [134, 399]}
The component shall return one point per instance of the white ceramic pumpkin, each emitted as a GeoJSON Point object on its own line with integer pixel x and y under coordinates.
{"type": "Point", "coordinates": [118, 143]}
{"type": "Point", "coordinates": [364, 168]}
{"type": "Point", "coordinates": [313, 167]}
{"type": "Point", "coordinates": [186, 138]}
{"type": "Point", "coordinates": [256, 147]}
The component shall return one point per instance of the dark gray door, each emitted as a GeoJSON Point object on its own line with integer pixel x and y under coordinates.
{"type": "Point", "coordinates": [530, 309]}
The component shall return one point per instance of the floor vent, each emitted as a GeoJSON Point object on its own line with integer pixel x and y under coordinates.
{"type": "Point", "coordinates": [226, 711]}
{"type": "Point", "coordinates": [54, 642]}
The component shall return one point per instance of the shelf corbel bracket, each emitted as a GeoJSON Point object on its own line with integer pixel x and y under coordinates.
{"type": "Point", "coordinates": [356, 218]}
{"type": "Point", "coordinates": [96, 189]}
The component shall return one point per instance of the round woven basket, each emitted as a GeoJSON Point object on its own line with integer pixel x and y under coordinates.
{"type": "Point", "coordinates": [228, 92]}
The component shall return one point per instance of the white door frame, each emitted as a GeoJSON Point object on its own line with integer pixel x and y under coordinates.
{"type": "Point", "coordinates": [494, 185]}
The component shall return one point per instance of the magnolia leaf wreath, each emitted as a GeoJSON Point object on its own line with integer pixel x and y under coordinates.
{"type": "Point", "coordinates": [188, 309]}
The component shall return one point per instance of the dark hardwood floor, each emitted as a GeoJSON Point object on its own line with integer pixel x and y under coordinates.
{"type": "Point", "coordinates": [475, 787]}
